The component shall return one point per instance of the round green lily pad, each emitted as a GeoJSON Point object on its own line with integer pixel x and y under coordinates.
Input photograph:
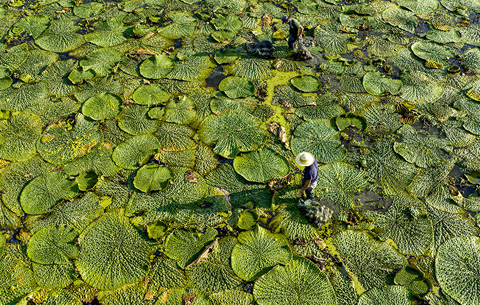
{"type": "Point", "coordinates": [306, 83]}
{"type": "Point", "coordinates": [135, 151]}
{"type": "Point", "coordinates": [223, 35]}
{"type": "Point", "coordinates": [44, 192]}
{"type": "Point", "coordinates": [150, 95]}
{"type": "Point", "coordinates": [226, 57]}
{"type": "Point", "coordinates": [235, 87]}
{"type": "Point", "coordinates": [53, 245]}
{"type": "Point", "coordinates": [261, 165]}
{"type": "Point", "coordinates": [152, 177]}
{"type": "Point", "coordinates": [156, 67]}
{"type": "Point", "coordinates": [102, 106]}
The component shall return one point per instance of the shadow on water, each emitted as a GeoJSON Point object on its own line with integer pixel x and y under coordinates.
{"type": "Point", "coordinates": [214, 79]}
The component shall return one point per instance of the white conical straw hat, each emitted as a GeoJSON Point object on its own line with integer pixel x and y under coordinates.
{"type": "Point", "coordinates": [305, 159]}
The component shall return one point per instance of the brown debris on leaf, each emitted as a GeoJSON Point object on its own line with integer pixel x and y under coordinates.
{"type": "Point", "coordinates": [191, 177]}
{"type": "Point", "coordinates": [266, 20]}
{"type": "Point", "coordinates": [208, 250]}
{"type": "Point", "coordinates": [453, 190]}
{"type": "Point", "coordinates": [279, 131]}
{"type": "Point", "coordinates": [189, 298]}
{"type": "Point", "coordinates": [129, 102]}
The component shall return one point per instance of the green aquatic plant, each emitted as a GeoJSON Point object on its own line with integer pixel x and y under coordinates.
{"type": "Point", "coordinates": [108, 33]}
{"type": "Point", "coordinates": [152, 177]}
{"type": "Point", "coordinates": [18, 136]}
{"type": "Point", "coordinates": [282, 285]}
{"type": "Point", "coordinates": [135, 151]}
{"type": "Point", "coordinates": [456, 267]}
{"type": "Point", "coordinates": [414, 280]}
{"type": "Point", "coordinates": [102, 106]}
{"type": "Point", "coordinates": [259, 251]}
{"type": "Point", "coordinates": [388, 295]}
{"type": "Point", "coordinates": [156, 67]}
{"type": "Point", "coordinates": [261, 165]}
{"type": "Point", "coordinates": [134, 119]}
{"type": "Point", "coordinates": [306, 83]}
{"type": "Point", "coordinates": [150, 94]}
{"type": "Point", "coordinates": [61, 36]}
{"type": "Point", "coordinates": [129, 250]}
{"type": "Point", "coordinates": [235, 87]}
{"type": "Point", "coordinates": [376, 84]}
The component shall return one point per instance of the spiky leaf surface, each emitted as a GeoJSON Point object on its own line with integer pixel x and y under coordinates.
{"type": "Point", "coordinates": [107, 33]}
{"type": "Point", "coordinates": [340, 182]}
{"type": "Point", "coordinates": [424, 151]}
{"type": "Point", "coordinates": [33, 25]}
{"type": "Point", "coordinates": [135, 151]}
{"type": "Point", "coordinates": [61, 143]}
{"type": "Point", "coordinates": [57, 77]}
{"type": "Point", "coordinates": [331, 39]}
{"type": "Point", "coordinates": [53, 245]}
{"type": "Point", "coordinates": [251, 68]}
{"type": "Point", "coordinates": [418, 86]}
{"type": "Point", "coordinates": [371, 262]}
{"type": "Point", "coordinates": [184, 246]}
{"type": "Point", "coordinates": [61, 36]}
{"type": "Point", "coordinates": [261, 165]}
{"type": "Point", "coordinates": [101, 61]}
{"type": "Point", "coordinates": [232, 297]}
{"type": "Point", "coordinates": [15, 272]}
{"type": "Point", "coordinates": [102, 106]}
{"type": "Point", "coordinates": [457, 267]}
{"type": "Point", "coordinates": [152, 177]}
{"type": "Point", "coordinates": [129, 251]}
{"type": "Point", "coordinates": [164, 272]}
{"type": "Point", "coordinates": [431, 51]}
{"type": "Point", "coordinates": [215, 274]}
{"type": "Point", "coordinates": [77, 214]}
{"type": "Point", "coordinates": [258, 251]}
{"type": "Point", "coordinates": [19, 135]}
{"type": "Point", "coordinates": [156, 67]}
{"type": "Point", "coordinates": [319, 138]}
{"type": "Point", "coordinates": [390, 170]}
{"type": "Point", "coordinates": [174, 137]}
{"type": "Point", "coordinates": [134, 120]}
{"type": "Point", "coordinates": [232, 132]}
{"type": "Point", "coordinates": [388, 295]}
{"type": "Point", "coordinates": [376, 84]}
{"type": "Point", "coordinates": [54, 275]}
{"type": "Point", "coordinates": [25, 96]}
{"type": "Point", "coordinates": [406, 222]}
{"type": "Point", "coordinates": [205, 160]}
{"type": "Point", "coordinates": [134, 294]}
{"type": "Point", "coordinates": [306, 83]}
{"type": "Point", "coordinates": [235, 87]}
{"type": "Point", "coordinates": [150, 95]}
{"type": "Point", "coordinates": [193, 68]}
{"type": "Point", "coordinates": [299, 282]}
{"type": "Point", "coordinates": [343, 286]}
{"type": "Point", "coordinates": [44, 192]}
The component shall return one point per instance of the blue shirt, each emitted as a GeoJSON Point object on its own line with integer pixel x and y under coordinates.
{"type": "Point", "coordinates": [311, 172]}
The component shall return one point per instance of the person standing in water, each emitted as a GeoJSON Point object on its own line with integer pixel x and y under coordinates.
{"type": "Point", "coordinates": [296, 30]}
{"type": "Point", "coordinates": [310, 173]}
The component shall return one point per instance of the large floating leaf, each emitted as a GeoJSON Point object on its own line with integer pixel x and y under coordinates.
{"type": "Point", "coordinates": [57, 77]}
{"type": "Point", "coordinates": [44, 192]}
{"type": "Point", "coordinates": [99, 160]}
{"type": "Point", "coordinates": [128, 251]}
{"type": "Point", "coordinates": [235, 87]}
{"type": "Point", "coordinates": [108, 33]}
{"type": "Point", "coordinates": [340, 182]}
{"type": "Point", "coordinates": [86, 10]}
{"type": "Point", "coordinates": [164, 272]}
{"type": "Point", "coordinates": [387, 295]}
{"type": "Point", "coordinates": [215, 273]}
{"type": "Point", "coordinates": [156, 67]}
{"type": "Point", "coordinates": [152, 177]}
{"type": "Point", "coordinates": [135, 294]}
{"type": "Point", "coordinates": [33, 25]}
{"type": "Point", "coordinates": [101, 61]}
{"type": "Point", "coordinates": [299, 282]}
{"type": "Point", "coordinates": [174, 137]}
{"type": "Point", "coordinates": [54, 275]}
{"type": "Point", "coordinates": [331, 39]}
{"type": "Point", "coordinates": [53, 245]}
{"type": "Point", "coordinates": [184, 246]}
{"type": "Point", "coordinates": [401, 18]}
{"type": "Point", "coordinates": [306, 83]}
{"type": "Point", "coordinates": [177, 30]}
{"type": "Point", "coordinates": [457, 269]}
{"type": "Point", "coordinates": [463, 7]}
{"type": "Point", "coordinates": [419, 7]}
{"type": "Point", "coordinates": [135, 151]}
{"type": "Point", "coordinates": [102, 106]}
{"type": "Point", "coordinates": [233, 132]}
{"type": "Point", "coordinates": [150, 95]}
{"type": "Point", "coordinates": [261, 165]}
{"type": "Point", "coordinates": [61, 143]}
{"type": "Point", "coordinates": [259, 251]}
{"type": "Point", "coordinates": [77, 213]}
{"type": "Point", "coordinates": [25, 96]}
{"type": "Point", "coordinates": [134, 120]}
{"type": "Point", "coordinates": [371, 262]}
{"type": "Point", "coordinates": [375, 84]}
{"type": "Point", "coordinates": [424, 151]}
{"type": "Point", "coordinates": [418, 86]}
{"type": "Point", "coordinates": [390, 170]}
{"type": "Point", "coordinates": [406, 222]}
{"type": "Point", "coordinates": [19, 135]}
{"type": "Point", "coordinates": [251, 68]}
{"type": "Point", "coordinates": [232, 297]}
{"type": "Point", "coordinates": [433, 52]}
{"type": "Point", "coordinates": [181, 111]}
{"type": "Point", "coordinates": [319, 138]}
{"type": "Point", "coordinates": [61, 36]}
{"type": "Point", "coordinates": [195, 67]}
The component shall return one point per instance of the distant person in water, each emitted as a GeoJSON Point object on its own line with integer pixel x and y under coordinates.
{"type": "Point", "coordinates": [310, 173]}
{"type": "Point", "coordinates": [296, 30]}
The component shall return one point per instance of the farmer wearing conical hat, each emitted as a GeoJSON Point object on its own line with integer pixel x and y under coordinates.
{"type": "Point", "coordinates": [310, 173]}
{"type": "Point", "coordinates": [296, 30]}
